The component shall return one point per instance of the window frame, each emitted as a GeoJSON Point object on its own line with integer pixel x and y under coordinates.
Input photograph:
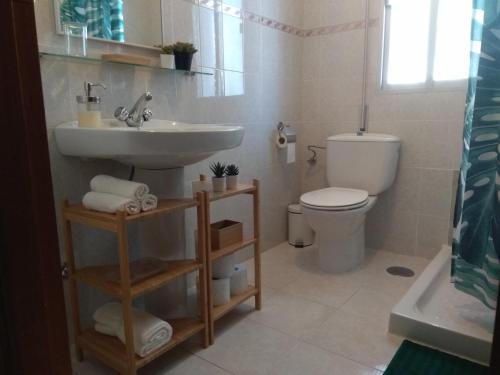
{"type": "Point", "coordinates": [429, 83]}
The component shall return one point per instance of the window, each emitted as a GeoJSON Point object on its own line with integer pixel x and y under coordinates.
{"type": "Point", "coordinates": [426, 42]}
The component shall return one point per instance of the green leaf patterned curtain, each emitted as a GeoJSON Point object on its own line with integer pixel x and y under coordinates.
{"type": "Point", "coordinates": [476, 242]}
{"type": "Point", "coordinates": [104, 18]}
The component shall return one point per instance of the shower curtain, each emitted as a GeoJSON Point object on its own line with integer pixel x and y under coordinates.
{"type": "Point", "coordinates": [104, 18]}
{"type": "Point", "coordinates": [476, 241]}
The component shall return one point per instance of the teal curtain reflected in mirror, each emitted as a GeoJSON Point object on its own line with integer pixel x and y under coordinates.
{"type": "Point", "coordinates": [104, 18]}
{"type": "Point", "coordinates": [476, 242]}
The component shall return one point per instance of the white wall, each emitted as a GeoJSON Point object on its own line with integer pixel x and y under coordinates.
{"type": "Point", "coordinates": [413, 217]}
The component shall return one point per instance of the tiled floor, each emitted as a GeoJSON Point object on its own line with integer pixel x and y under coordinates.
{"type": "Point", "coordinates": [312, 323]}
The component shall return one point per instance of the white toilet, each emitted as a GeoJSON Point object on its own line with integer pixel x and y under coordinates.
{"type": "Point", "coordinates": [359, 167]}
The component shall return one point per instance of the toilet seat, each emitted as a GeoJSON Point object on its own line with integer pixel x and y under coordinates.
{"type": "Point", "coordinates": [335, 199]}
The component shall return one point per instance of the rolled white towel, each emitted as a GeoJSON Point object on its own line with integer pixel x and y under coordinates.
{"type": "Point", "coordinates": [149, 202]}
{"type": "Point", "coordinates": [109, 203]}
{"type": "Point", "coordinates": [116, 186]}
{"type": "Point", "coordinates": [105, 329]}
{"type": "Point", "coordinates": [150, 333]}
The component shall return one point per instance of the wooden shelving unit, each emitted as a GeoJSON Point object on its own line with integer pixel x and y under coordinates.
{"type": "Point", "coordinates": [108, 349]}
{"type": "Point", "coordinates": [218, 312]}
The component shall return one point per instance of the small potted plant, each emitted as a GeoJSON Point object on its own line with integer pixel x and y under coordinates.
{"type": "Point", "coordinates": [183, 53]}
{"type": "Point", "coordinates": [166, 56]}
{"type": "Point", "coordinates": [219, 179]}
{"type": "Point", "coordinates": [232, 172]}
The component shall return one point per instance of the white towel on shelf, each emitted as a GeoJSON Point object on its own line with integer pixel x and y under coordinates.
{"type": "Point", "coordinates": [149, 202]}
{"type": "Point", "coordinates": [116, 186]}
{"type": "Point", "coordinates": [109, 203]}
{"type": "Point", "coordinates": [105, 329]}
{"type": "Point", "coordinates": [150, 332]}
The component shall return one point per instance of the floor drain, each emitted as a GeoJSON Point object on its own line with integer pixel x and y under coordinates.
{"type": "Point", "coordinates": [400, 271]}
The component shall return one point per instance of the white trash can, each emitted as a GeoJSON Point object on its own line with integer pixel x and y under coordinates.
{"type": "Point", "coordinates": [300, 233]}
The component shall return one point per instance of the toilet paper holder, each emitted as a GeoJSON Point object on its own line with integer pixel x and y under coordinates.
{"type": "Point", "coordinates": [287, 132]}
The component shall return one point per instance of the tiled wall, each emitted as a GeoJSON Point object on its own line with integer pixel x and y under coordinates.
{"type": "Point", "coordinates": [270, 92]}
{"type": "Point", "coordinates": [413, 217]}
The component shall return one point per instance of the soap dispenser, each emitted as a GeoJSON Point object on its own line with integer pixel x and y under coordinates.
{"type": "Point", "coordinates": [89, 107]}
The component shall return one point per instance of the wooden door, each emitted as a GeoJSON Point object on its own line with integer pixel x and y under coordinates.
{"type": "Point", "coordinates": [33, 333]}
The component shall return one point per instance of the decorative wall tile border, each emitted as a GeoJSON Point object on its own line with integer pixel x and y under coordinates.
{"type": "Point", "coordinates": [280, 26]}
{"type": "Point", "coordinates": [340, 28]}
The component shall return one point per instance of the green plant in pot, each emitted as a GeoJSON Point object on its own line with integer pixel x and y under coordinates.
{"type": "Point", "coordinates": [166, 56]}
{"type": "Point", "coordinates": [219, 177]}
{"type": "Point", "coordinates": [232, 172]}
{"type": "Point", "coordinates": [183, 53]}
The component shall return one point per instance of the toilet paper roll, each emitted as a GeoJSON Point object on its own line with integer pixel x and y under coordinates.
{"type": "Point", "coordinates": [239, 280]}
{"type": "Point", "coordinates": [281, 140]}
{"type": "Point", "coordinates": [221, 291]}
{"type": "Point", "coordinates": [224, 267]}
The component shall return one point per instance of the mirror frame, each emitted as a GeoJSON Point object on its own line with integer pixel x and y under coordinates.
{"type": "Point", "coordinates": [59, 31]}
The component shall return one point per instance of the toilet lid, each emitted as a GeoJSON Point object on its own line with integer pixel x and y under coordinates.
{"type": "Point", "coordinates": [335, 198]}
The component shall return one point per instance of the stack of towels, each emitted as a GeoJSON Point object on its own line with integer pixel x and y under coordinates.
{"type": "Point", "coordinates": [150, 333]}
{"type": "Point", "coordinates": [110, 194]}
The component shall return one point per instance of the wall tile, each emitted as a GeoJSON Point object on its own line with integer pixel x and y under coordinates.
{"type": "Point", "coordinates": [432, 235]}
{"type": "Point", "coordinates": [435, 192]}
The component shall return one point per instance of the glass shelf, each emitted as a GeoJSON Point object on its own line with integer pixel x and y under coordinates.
{"type": "Point", "coordinates": [97, 60]}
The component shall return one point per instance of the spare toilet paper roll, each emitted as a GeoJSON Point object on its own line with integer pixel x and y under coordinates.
{"type": "Point", "coordinates": [221, 291]}
{"type": "Point", "coordinates": [239, 280]}
{"type": "Point", "coordinates": [281, 140]}
{"type": "Point", "coordinates": [224, 267]}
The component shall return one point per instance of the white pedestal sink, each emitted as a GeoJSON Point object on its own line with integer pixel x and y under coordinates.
{"type": "Point", "coordinates": [159, 144]}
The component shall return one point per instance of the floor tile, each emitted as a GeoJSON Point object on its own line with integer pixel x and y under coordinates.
{"type": "Point", "coordinates": [328, 290]}
{"type": "Point", "coordinates": [175, 362]}
{"type": "Point", "coordinates": [247, 348]}
{"type": "Point", "coordinates": [311, 360]}
{"type": "Point", "coordinates": [275, 275]}
{"type": "Point", "coordinates": [375, 277]}
{"type": "Point", "coordinates": [371, 304]}
{"type": "Point", "coordinates": [290, 314]}
{"type": "Point", "coordinates": [357, 338]}
{"type": "Point", "coordinates": [181, 362]}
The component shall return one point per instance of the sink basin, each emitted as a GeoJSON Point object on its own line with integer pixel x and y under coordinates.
{"type": "Point", "coordinates": [159, 144]}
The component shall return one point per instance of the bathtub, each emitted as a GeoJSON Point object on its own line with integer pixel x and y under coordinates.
{"type": "Point", "coordinates": [434, 313]}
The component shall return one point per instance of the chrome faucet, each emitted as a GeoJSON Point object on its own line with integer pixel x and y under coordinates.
{"type": "Point", "coordinates": [139, 113]}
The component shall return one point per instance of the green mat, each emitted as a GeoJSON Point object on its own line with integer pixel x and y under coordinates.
{"type": "Point", "coordinates": [414, 359]}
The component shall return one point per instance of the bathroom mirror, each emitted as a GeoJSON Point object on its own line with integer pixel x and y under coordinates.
{"type": "Point", "coordinates": [132, 22]}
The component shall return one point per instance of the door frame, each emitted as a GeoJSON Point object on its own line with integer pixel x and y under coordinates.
{"type": "Point", "coordinates": [34, 337]}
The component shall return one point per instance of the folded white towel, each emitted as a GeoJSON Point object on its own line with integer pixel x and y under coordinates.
{"type": "Point", "coordinates": [150, 333]}
{"type": "Point", "coordinates": [110, 203]}
{"type": "Point", "coordinates": [116, 186]}
{"type": "Point", "coordinates": [149, 202]}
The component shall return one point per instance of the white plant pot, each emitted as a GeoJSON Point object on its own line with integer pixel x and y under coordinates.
{"type": "Point", "coordinates": [219, 184]}
{"type": "Point", "coordinates": [167, 61]}
{"type": "Point", "coordinates": [231, 182]}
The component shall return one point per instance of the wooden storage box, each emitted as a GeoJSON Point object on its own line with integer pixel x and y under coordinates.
{"type": "Point", "coordinates": [225, 233]}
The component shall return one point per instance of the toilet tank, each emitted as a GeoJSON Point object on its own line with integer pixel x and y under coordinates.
{"type": "Point", "coordinates": [366, 162]}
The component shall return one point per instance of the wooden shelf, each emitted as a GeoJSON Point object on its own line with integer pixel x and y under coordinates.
{"type": "Point", "coordinates": [79, 214]}
{"type": "Point", "coordinates": [131, 279]}
{"type": "Point", "coordinates": [241, 189]}
{"type": "Point", "coordinates": [97, 277]}
{"type": "Point", "coordinates": [112, 351]}
{"type": "Point", "coordinates": [217, 312]}
{"type": "Point", "coordinates": [219, 253]}
{"type": "Point", "coordinates": [220, 311]}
